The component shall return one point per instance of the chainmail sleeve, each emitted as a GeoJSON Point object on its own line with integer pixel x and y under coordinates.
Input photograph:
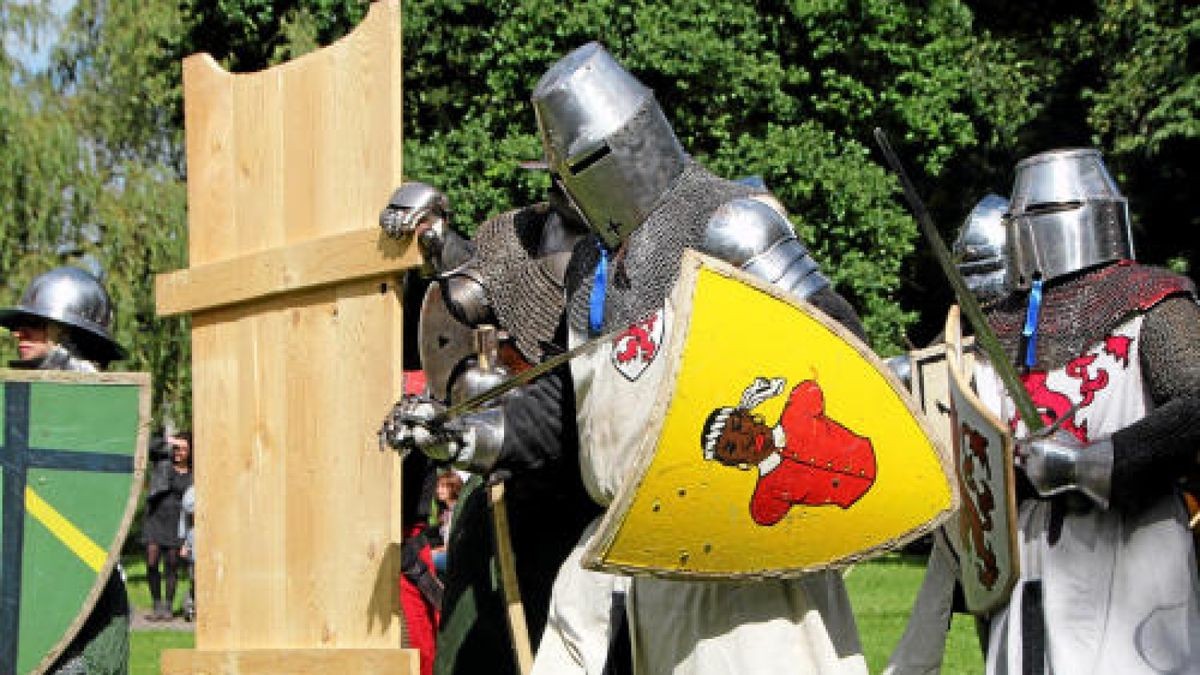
{"type": "Point", "coordinates": [1171, 349]}
{"type": "Point", "coordinates": [1150, 455]}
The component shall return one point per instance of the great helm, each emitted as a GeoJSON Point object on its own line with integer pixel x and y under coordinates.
{"type": "Point", "coordinates": [1066, 215]}
{"type": "Point", "coordinates": [73, 298]}
{"type": "Point", "coordinates": [979, 249]}
{"type": "Point", "coordinates": [606, 140]}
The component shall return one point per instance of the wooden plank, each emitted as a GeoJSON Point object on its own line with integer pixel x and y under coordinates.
{"type": "Point", "coordinates": [257, 163]}
{"type": "Point", "coordinates": [306, 87]}
{"type": "Point", "coordinates": [350, 256]}
{"type": "Point", "coordinates": [292, 661]}
{"type": "Point", "coordinates": [310, 521]}
{"type": "Point", "coordinates": [208, 114]}
{"type": "Point", "coordinates": [369, 308]}
{"type": "Point", "coordinates": [218, 462]}
{"type": "Point", "coordinates": [297, 354]}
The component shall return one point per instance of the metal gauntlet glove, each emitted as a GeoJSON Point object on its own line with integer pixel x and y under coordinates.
{"type": "Point", "coordinates": [412, 426]}
{"type": "Point", "coordinates": [1059, 462]}
{"type": "Point", "coordinates": [420, 209]}
{"type": "Point", "coordinates": [411, 205]}
{"type": "Point", "coordinates": [471, 442]}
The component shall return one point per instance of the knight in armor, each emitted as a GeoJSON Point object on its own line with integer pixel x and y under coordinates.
{"type": "Point", "coordinates": [613, 152]}
{"type": "Point", "coordinates": [508, 276]}
{"type": "Point", "coordinates": [1109, 352]}
{"type": "Point", "coordinates": [980, 254]}
{"type": "Point", "coordinates": [63, 322]}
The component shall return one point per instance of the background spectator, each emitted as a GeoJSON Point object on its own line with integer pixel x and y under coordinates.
{"type": "Point", "coordinates": [449, 486]}
{"type": "Point", "coordinates": [187, 552]}
{"type": "Point", "coordinates": [170, 478]}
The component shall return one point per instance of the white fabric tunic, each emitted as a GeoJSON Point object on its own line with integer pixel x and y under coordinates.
{"type": "Point", "coordinates": [780, 626]}
{"type": "Point", "coordinates": [1119, 589]}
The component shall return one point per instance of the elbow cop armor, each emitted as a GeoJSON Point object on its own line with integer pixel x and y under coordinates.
{"type": "Point", "coordinates": [759, 239]}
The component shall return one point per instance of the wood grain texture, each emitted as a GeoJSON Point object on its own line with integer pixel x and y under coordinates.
{"type": "Point", "coordinates": [352, 255]}
{"type": "Point", "coordinates": [294, 662]}
{"type": "Point", "coordinates": [297, 356]}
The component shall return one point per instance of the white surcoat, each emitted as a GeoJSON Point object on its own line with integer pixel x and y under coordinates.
{"type": "Point", "coordinates": [1119, 589]}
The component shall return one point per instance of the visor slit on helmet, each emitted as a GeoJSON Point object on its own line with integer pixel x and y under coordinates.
{"type": "Point", "coordinates": [1052, 207]}
{"type": "Point", "coordinates": [589, 159]}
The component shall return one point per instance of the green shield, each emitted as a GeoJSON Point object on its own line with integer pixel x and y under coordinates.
{"type": "Point", "coordinates": [72, 460]}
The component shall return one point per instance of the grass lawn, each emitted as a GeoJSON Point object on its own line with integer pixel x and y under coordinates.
{"type": "Point", "coordinates": [139, 590]}
{"type": "Point", "coordinates": [882, 592]}
{"type": "Point", "coordinates": [145, 647]}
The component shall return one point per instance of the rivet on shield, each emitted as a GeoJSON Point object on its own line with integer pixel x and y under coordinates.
{"type": "Point", "coordinates": [683, 557]}
{"type": "Point", "coordinates": [682, 492]}
{"type": "Point", "coordinates": [656, 507]}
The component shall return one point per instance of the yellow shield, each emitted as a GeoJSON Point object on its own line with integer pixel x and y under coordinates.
{"type": "Point", "coordinates": [983, 532]}
{"type": "Point", "coordinates": [781, 446]}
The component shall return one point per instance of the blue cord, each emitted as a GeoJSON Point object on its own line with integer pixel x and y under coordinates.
{"type": "Point", "coordinates": [1031, 323]}
{"type": "Point", "coordinates": [599, 292]}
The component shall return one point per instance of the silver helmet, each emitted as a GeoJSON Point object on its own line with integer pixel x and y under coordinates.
{"type": "Point", "coordinates": [1066, 215]}
{"type": "Point", "coordinates": [73, 298]}
{"type": "Point", "coordinates": [606, 140]}
{"type": "Point", "coordinates": [979, 249]}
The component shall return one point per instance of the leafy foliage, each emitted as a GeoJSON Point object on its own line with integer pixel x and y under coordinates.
{"type": "Point", "coordinates": [785, 91]}
{"type": "Point", "coordinates": [92, 169]}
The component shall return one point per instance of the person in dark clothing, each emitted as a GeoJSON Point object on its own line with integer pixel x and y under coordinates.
{"type": "Point", "coordinates": [170, 478]}
{"type": "Point", "coordinates": [510, 276]}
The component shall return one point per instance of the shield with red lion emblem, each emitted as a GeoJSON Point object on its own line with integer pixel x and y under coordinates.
{"type": "Point", "coordinates": [983, 532]}
{"type": "Point", "coordinates": [781, 444]}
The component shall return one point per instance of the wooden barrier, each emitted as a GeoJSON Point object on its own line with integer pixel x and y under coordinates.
{"type": "Point", "coordinates": [295, 297]}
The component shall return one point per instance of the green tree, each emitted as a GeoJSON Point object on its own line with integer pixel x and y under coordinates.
{"type": "Point", "coordinates": [788, 90]}
{"type": "Point", "coordinates": [118, 197]}
{"type": "Point", "coordinates": [1144, 111]}
{"type": "Point", "coordinates": [785, 90]}
{"type": "Point", "coordinates": [38, 154]}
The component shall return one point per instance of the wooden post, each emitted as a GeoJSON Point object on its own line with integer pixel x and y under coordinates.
{"type": "Point", "coordinates": [295, 300]}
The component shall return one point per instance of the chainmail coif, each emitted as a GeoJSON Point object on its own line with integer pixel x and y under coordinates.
{"type": "Point", "coordinates": [1082, 310]}
{"type": "Point", "coordinates": [641, 277]}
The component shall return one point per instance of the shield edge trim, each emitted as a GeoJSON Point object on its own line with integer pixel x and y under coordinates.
{"type": "Point", "coordinates": [954, 358]}
{"type": "Point", "coordinates": [601, 543]}
{"type": "Point", "coordinates": [142, 381]}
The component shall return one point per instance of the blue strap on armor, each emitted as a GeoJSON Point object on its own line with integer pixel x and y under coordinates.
{"type": "Point", "coordinates": [599, 291]}
{"type": "Point", "coordinates": [1031, 323]}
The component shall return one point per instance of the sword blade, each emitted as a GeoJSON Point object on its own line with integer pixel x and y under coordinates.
{"type": "Point", "coordinates": [984, 336]}
{"type": "Point", "coordinates": [524, 377]}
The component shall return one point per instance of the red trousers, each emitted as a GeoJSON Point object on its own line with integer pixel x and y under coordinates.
{"type": "Point", "coordinates": [420, 617]}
